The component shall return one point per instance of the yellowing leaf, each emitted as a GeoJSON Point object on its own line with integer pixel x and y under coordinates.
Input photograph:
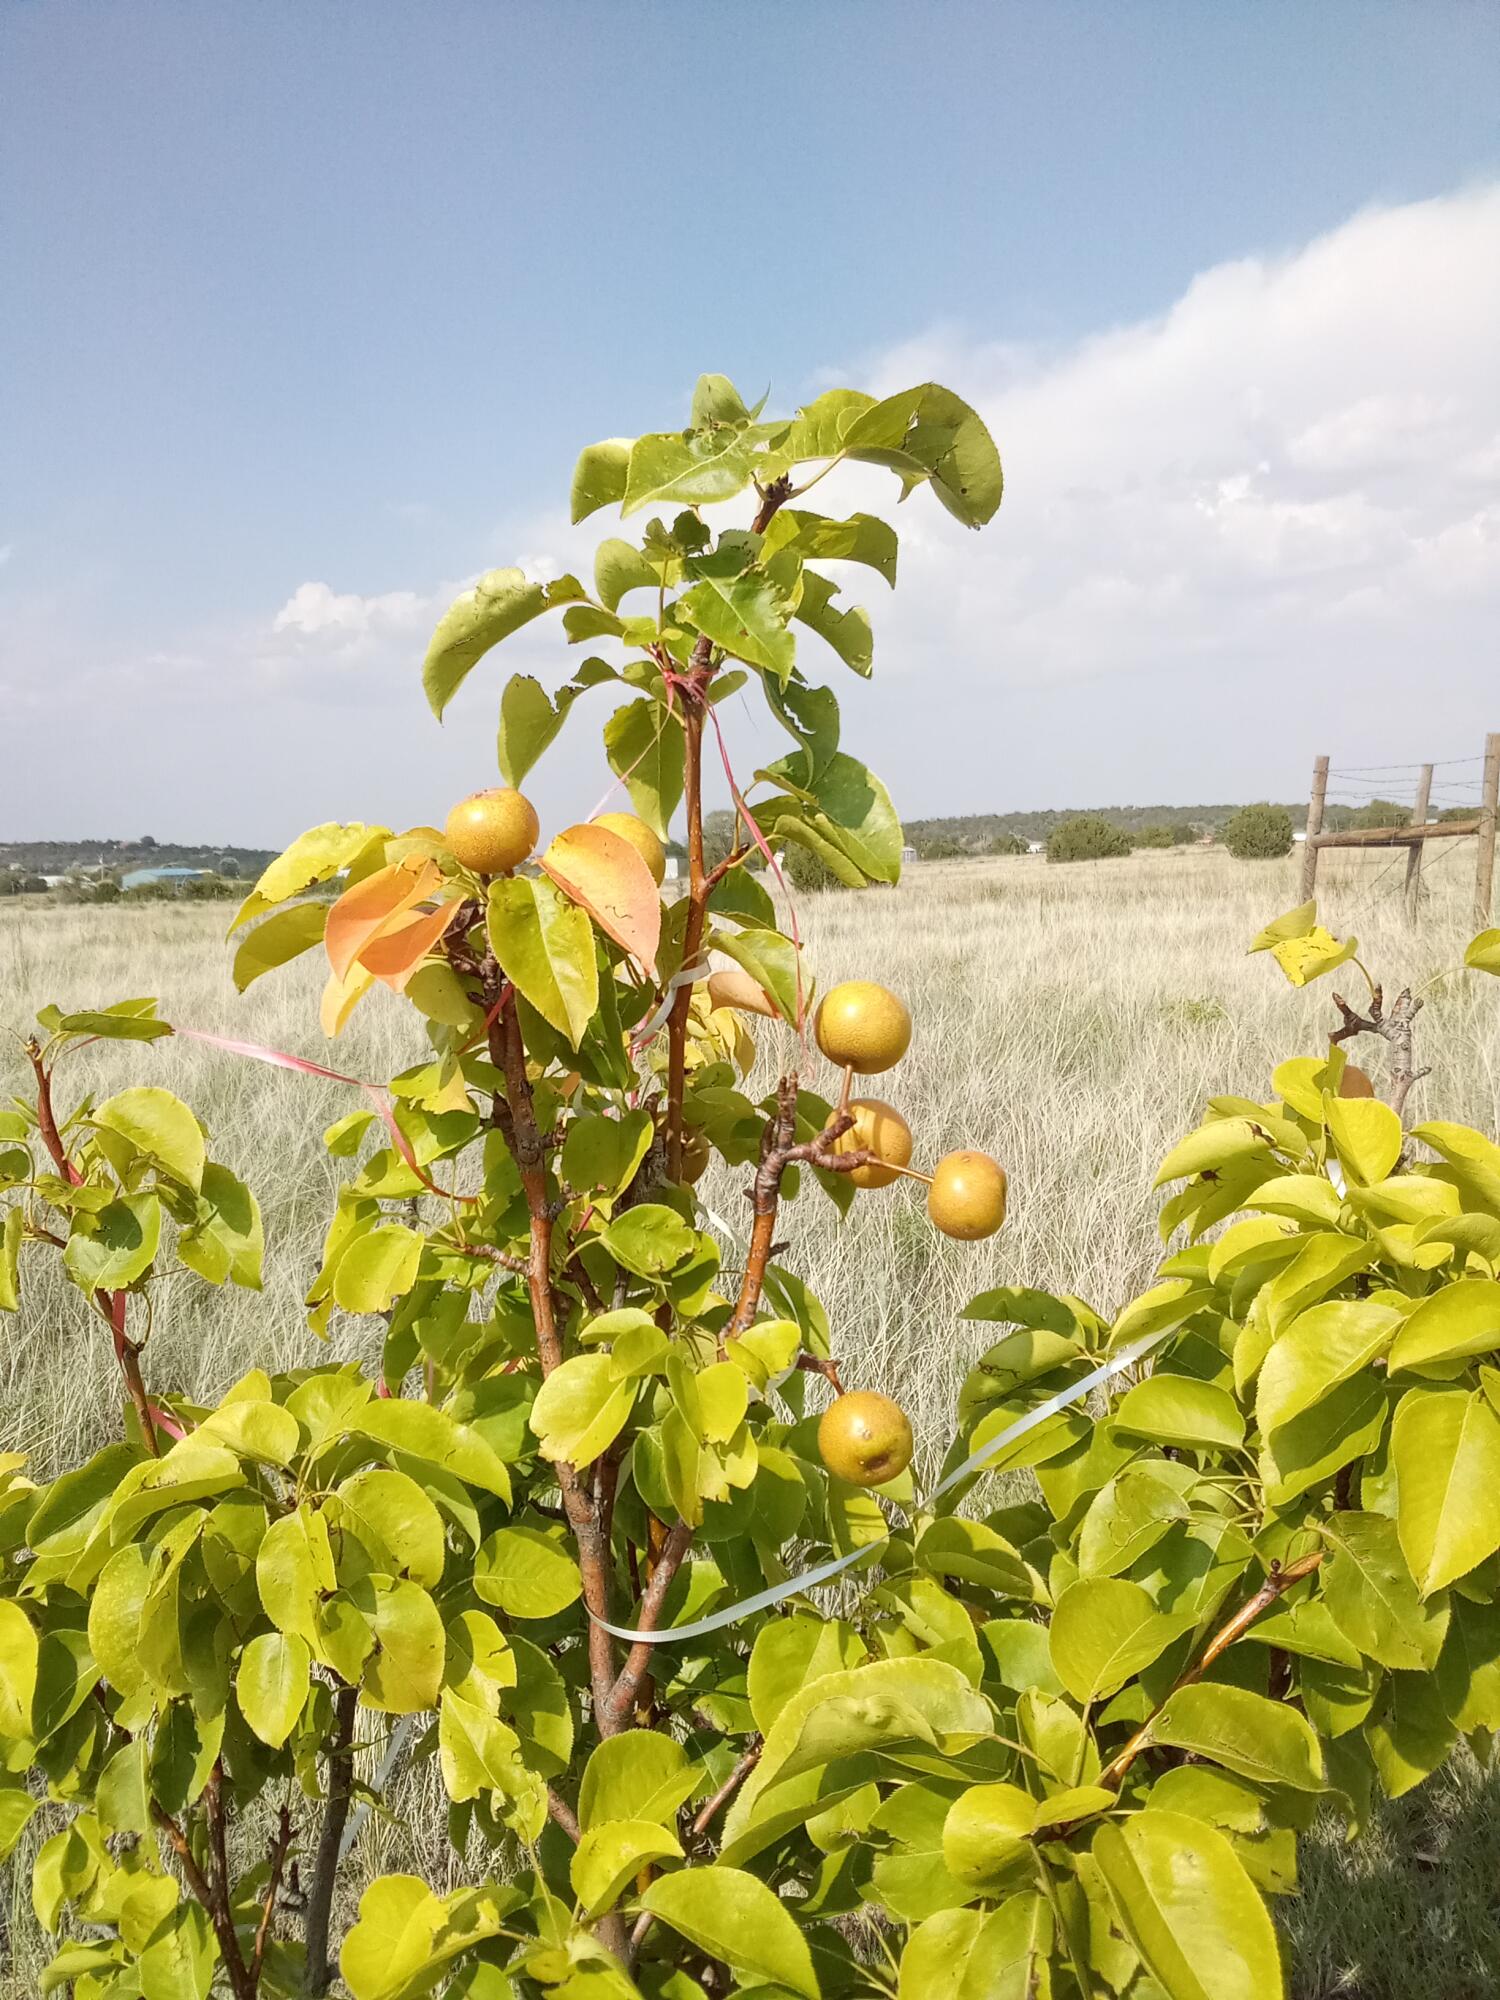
{"type": "Point", "coordinates": [341, 997]}
{"type": "Point", "coordinates": [373, 906]}
{"type": "Point", "coordinates": [1308, 957]}
{"type": "Point", "coordinates": [1483, 953]}
{"type": "Point", "coordinates": [1294, 924]}
{"type": "Point", "coordinates": [1367, 1134]}
{"type": "Point", "coordinates": [604, 875]}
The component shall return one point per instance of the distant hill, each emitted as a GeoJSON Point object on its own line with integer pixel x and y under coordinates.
{"type": "Point", "coordinates": [976, 831]}
{"type": "Point", "coordinates": [120, 857]}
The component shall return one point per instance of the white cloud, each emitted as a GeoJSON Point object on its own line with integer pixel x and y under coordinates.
{"type": "Point", "coordinates": [1262, 524]}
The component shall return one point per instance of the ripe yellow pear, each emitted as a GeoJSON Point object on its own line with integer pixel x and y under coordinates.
{"type": "Point", "coordinates": [967, 1196]}
{"type": "Point", "coordinates": [878, 1128]}
{"type": "Point", "coordinates": [492, 832]}
{"type": "Point", "coordinates": [735, 988]}
{"type": "Point", "coordinates": [1355, 1083]}
{"type": "Point", "coordinates": [641, 838]}
{"type": "Point", "coordinates": [865, 1438]}
{"type": "Point", "coordinates": [863, 1027]}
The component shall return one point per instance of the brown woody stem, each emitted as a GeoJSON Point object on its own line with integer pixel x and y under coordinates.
{"type": "Point", "coordinates": [330, 1841]}
{"type": "Point", "coordinates": [112, 1305]}
{"type": "Point", "coordinates": [1278, 1582]}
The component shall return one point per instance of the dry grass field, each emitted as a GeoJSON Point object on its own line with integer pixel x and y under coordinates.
{"type": "Point", "coordinates": [1070, 1020]}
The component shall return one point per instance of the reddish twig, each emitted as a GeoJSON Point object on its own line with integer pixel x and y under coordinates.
{"type": "Point", "coordinates": [621, 1697]}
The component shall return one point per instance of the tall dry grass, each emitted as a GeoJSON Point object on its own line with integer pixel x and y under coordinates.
{"type": "Point", "coordinates": [1071, 1020]}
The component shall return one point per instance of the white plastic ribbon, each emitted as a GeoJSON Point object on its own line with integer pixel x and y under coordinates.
{"type": "Point", "coordinates": [977, 1461]}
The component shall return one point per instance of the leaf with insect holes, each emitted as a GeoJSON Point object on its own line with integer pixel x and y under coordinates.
{"type": "Point", "coordinates": [604, 875]}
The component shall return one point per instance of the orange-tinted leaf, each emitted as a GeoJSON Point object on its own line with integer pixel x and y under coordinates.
{"type": "Point", "coordinates": [604, 875]}
{"type": "Point", "coordinates": [371, 907]}
{"type": "Point", "coordinates": [396, 953]}
{"type": "Point", "coordinates": [341, 997]}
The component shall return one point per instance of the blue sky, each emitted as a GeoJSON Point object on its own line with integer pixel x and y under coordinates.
{"type": "Point", "coordinates": [318, 296]}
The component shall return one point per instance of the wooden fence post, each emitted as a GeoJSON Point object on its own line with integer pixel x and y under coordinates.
{"type": "Point", "coordinates": [1484, 867]}
{"type": "Point", "coordinates": [1314, 828]}
{"type": "Point", "coordinates": [1414, 854]}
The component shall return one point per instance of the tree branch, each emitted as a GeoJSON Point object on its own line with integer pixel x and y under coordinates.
{"type": "Point", "coordinates": [1279, 1581]}
{"type": "Point", "coordinates": [699, 1827]}
{"type": "Point", "coordinates": [280, 1847]}
{"type": "Point", "coordinates": [112, 1305]}
{"type": "Point", "coordinates": [621, 1697]}
{"type": "Point", "coordinates": [779, 1147]}
{"type": "Point", "coordinates": [1395, 1029]}
{"type": "Point", "coordinates": [218, 1912]}
{"type": "Point", "coordinates": [330, 1841]}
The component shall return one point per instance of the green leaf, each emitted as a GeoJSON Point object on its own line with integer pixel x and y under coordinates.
{"type": "Point", "coordinates": [929, 433]}
{"type": "Point", "coordinates": [544, 944]}
{"type": "Point", "coordinates": [853, 809]}
{"type": "Point", "coordinates": [315, 856]}
{"type": "Point", "coordinates": [1176, 1410]}
{"type": "Point", "coordinates": [735, 1917]}
{"type": "Point", "coordinates": [179, 1960]}
{"type": "Point", "coordinates": [1105, 1630]}
{"type": "Point", "coordinates": [1367, 1134]}
{"type": "Point", "coordinates": [772, 961]}
{"type": "Point", "coordinates": [226, 1238]}
{"type": "Point", "coordinates": [477, 1752]}
{"type": "Point", "coordinates": [399, 1919]}
{"type": "Point", "coordinates": [272, 1685]}
{"type": "Point", "coordinates": [378, 1268]}
{"type": "Point", "coordinates": [608, 1858]}
{"type": "Point", "coordinates": [697, 468]}
{"type": "Point", "coordinates": [1449, 1325]}
{"type": "Point", "coordinates": [1372, 1597]}
{"type": "Point", "coordinates": [404, 1671]}
{"type": "Point", "coordinates": [1220, 1143]}
{"type": "Point", "coordinates": [500, 603]}
{"type": "Point", "coordinates": [639, 1774]}
{"type": "Point", "coordinates": [644, 745]}
{"type": "Point", "coordinates": [19, 1652]}
{"type": "Point", "coordinates": [395, 1522]}
{"type": "Point", "coordinates": [526, 1572]}
{"type": "Point", "coordinates": [1411, 1734]}
{"type": "Point", "coordinates": [581, 1409]}
{"type": "Point", "coordinates": [649, 1239]}
{"type": "Point", "coordinates": [1189, 1908]}
{"type": "Point", "coordinates": [862, 538]}
{"type": "Point", "coordinates": [1445, 1447]}
{"type": "Point", "coordinates": [1321, 1348]}
{"type": "Point", "coordinates": [11, 1232]}
{"type": "Point", "coordinates": [294, 1569]}
{"type": "Point", "coordinates": [746, 616]}
{"type": "Point", "coordinates": [16, 1809]}
{"type": "Point", "coordinates": [1264, 1740]}
{"type": "Point", "coordinates": [161, 1127]}
{"type": "Point", "coordinates": [1343, 1425]}
{"type": "Point", "coordinates": [849, 632]}
{"type": "Point", "coordinates": [987, 1831]}
{"type": "Point", "coordinates": [604, 1152]}
{"type": "Point", "coordinates": [110, 1250]}
{"type": "Point", "coordinates": [599, 476]}
{"type": "Point", "coordinates": [528, 724]}
{"type": "Point", "coordinates": [283, 936]}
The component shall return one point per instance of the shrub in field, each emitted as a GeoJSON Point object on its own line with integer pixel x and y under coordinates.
{"type": "Point", "coordinates": [1162, 835]}
{"type": "Point", "coordinates": [1087, 837]}
{"type": "Point", "coordinates": [1259, 833]}
{"type": "Point", "coordinates": [573, 1538]}
{"type": "Point", "coordinates": [1008, 843]}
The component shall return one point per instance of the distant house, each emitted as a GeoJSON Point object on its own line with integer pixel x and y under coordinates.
{"type": "Point", "coordinates": [138, 876]}
{"type": "Point", "coordinates": [1036, 847]}
{"type": "Point", "coordinates": [908, 854]}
